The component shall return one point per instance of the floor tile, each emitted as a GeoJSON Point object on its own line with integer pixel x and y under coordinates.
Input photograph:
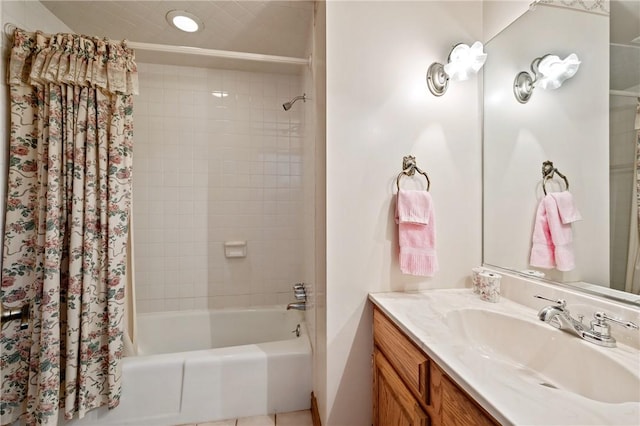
{"type": "Point", "coordinates": [294, 418]}
{"type": "Point", "coordinates": [219, 423]}
{"type": "Point", "coordinates": [257, 421]}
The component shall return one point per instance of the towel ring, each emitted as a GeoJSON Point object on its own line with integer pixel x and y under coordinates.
{"type": "Point", "coordinates": [547, 173]}
{"type": "Point", "coordinates": [409, 168]}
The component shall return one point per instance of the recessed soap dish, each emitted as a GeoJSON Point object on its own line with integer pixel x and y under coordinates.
{"type": "Point", "coordinates": [234, 249]}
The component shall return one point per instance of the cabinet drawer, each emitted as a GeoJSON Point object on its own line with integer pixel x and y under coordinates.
{"type": "Point", "coordinates": [410, 362]}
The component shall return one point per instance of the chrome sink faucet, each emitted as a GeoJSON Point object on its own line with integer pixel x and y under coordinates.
{"type": "Point", "coordinates": [599, 332]}
{"type": "Point", "coordinates": [558, 316]}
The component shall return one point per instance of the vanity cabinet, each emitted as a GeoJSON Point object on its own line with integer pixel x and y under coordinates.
{"type": "Point", "coordinates": [410, 389]}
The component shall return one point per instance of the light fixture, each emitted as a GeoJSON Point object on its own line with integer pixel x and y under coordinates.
{"type": "Point", "coordinates": [184, 21]}
{"type": "Point", "coordinates": [463, 60]}
{"type": "Point", "coordinates": [220, 93]}
{"type": "Point", "coordinates": [549, 72]}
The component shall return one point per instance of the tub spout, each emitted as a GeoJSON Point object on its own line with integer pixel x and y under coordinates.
{"type": "Point", "coordinates": [301, 306]}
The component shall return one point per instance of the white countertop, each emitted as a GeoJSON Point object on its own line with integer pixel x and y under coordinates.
{"type": "Point", "coordinates": [505, 390]}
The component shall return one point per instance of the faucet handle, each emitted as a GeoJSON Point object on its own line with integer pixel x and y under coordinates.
{"type": "Point", "coordinates": [560, 302]}
{"type": "Point", "coordinates": [601, 318]}
{"type": "Point", "coordinates": [600, 333]}
{"type": "Point", "coordinates": [299, 291]}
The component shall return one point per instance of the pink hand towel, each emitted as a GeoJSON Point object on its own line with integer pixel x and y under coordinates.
{"type": "Point", "coordinates": [542, 249]}
{"type": "Point", "coordinates": [552, 235]}
{"type": "Point", "coordinates": [415, 217]}
{"type": "Point", "coordinates": [413, 207]}
{"type": "Point", "coordinates": [566, 207]}
{"type": "Point", "coordinates": [561, 235]}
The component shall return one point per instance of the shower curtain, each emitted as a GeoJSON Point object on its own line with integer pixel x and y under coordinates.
{"type": "Point", "coordinates": [67, 224]}
{"type": "Point", "coordinates": [632, 284]}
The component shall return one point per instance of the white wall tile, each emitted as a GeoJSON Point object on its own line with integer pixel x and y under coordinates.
{"type": "Point", "coordinates": [200, 182]}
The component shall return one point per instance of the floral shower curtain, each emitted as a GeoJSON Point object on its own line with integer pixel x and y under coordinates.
{"type": "Point", "coordinates": [67, 224]}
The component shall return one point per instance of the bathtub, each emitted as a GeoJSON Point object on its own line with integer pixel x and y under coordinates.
{"type": "Point", "coordinates": [197, 366]}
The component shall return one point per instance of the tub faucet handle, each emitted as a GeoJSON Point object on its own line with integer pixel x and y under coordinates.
{"type": "Point", "coordinates": [297, 330]}
{"type": "Point", "coordinates": [299, 292]}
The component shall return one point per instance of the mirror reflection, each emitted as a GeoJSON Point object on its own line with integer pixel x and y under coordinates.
{"type": "Point", "coordinates": [586, 128]}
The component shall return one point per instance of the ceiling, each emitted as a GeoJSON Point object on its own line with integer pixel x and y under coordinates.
{"type": "Point", "coordinates": [267, 27]}
{"type": "Point", "coordinates": [625, 22]}
{"type": "Point", "coordinates": [625, 48]}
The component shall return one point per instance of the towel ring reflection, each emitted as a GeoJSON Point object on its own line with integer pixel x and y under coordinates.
{"type": "Point", "coordinates": [548, 172]}
{"type": "Point", "coordinates": [409, 168]}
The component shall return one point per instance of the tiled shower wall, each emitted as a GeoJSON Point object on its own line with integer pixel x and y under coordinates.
{"type": "Point", "coordinates": [216, 158]}
{"type": "Point", "coordinates": [622, 151]}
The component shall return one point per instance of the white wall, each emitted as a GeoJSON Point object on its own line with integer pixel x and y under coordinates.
{"type": "Point", "coordinates": [498, 14]}
{"type": "Point", "coordinates": [568, 126]}
{"type": "Point", "coordinates": [379, 110]}
{"type": "Point", "coordinates": [212, 169]}
{"type": "Point", "coordinates": [31, 16]}
{"type": "Point", "coordinates": [319, 286]}
{"type": "Point", "coordinates": [314, 198]}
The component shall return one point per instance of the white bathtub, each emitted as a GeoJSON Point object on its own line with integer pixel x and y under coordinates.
{"type": "Point", "coordinates": [196, 366]}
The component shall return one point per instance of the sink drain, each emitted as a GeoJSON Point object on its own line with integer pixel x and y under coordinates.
{"type": "Point", "coordinates": [549, 385]}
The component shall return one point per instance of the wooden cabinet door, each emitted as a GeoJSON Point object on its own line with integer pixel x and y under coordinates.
{"type": "Point", "coordinates": [409, 362]}
{"type": "Point", "coordinates": [393, 403]}
{"type": "Point", "coordinates": [459, 410]}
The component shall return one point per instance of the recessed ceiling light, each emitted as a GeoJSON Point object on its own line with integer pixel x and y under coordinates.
{"type": "Point", "coordinates": [184, 21]}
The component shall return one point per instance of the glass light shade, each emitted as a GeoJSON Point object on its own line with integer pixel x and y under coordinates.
{"type": "Point", "coordinates": [184, 21]}
{"type": "Point", "coordinates": [465, 60]}
{"type": "Point", "coordinates": [553, 71]}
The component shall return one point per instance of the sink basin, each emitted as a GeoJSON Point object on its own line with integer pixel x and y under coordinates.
{"type": "Point", "coordinates": [554, 358]}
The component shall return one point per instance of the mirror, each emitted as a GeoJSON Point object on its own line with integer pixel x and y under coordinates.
{"type": "Point", "coordinates": [569, 126]}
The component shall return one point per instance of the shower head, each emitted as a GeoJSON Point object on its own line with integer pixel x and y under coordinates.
{"type": "Point", "coordinates": [287, 105]}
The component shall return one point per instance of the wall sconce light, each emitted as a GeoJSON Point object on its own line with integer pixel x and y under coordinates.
{"type": "Point", "coordinates": [462, 61]}
{"type": "Point", "coordinates": [549, 72]}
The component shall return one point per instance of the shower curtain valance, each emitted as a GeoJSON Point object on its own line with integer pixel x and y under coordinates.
{"type": "Point", "coordinates": [77, 60]}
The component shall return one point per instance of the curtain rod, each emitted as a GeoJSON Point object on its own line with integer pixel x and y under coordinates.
{"type": "Point", "coordinates": [9, 28]}
{"type": "Point", "coordinates": [214, 53]}
{"type": "Point", "coordinates": [625, 93]}
{"type": "Point", "coordinates": [630, 46]}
